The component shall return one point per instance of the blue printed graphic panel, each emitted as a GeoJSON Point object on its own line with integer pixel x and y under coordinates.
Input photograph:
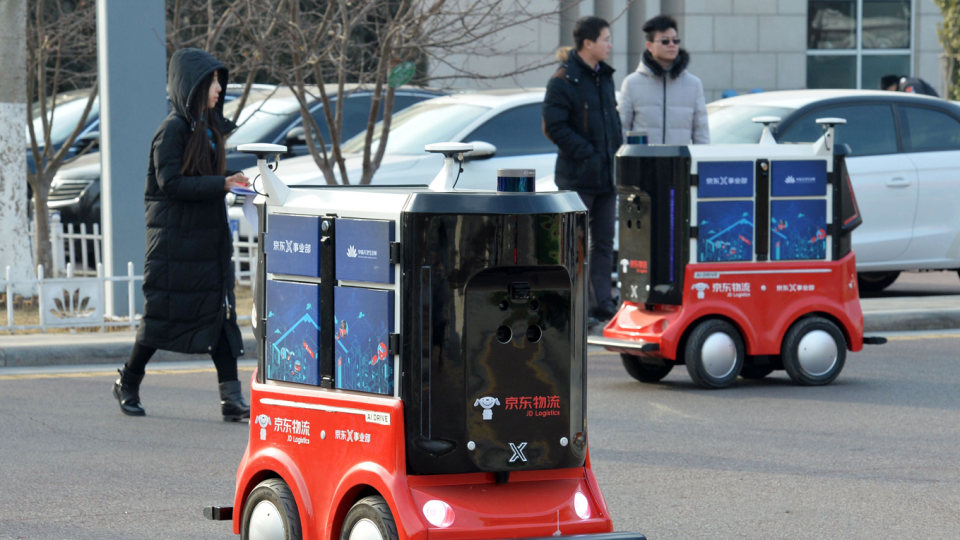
{"type": "Point", "coordinates": [293, 332]}
{"type": "Point", "coordinates": [798, 230]}
{"type": "Point", "coordinates": [364, 320]}
{"type": "Point", "coordinates": [363, 250]}
{"type": "Point", "coordinates": [725, 231]}
{"type": "Point", "coordinates": [799, 178]}
{"type": "Point", "coordinates": [292, 245]}
{"type": "Point", "coordinates": [724, 179]}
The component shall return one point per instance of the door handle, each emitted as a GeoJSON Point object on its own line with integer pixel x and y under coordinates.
{"type": "Point", "coordinates": [898, 182]}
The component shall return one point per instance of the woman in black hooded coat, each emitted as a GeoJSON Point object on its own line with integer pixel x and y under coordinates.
{"type": "Point", "coordinates": [188, 277]}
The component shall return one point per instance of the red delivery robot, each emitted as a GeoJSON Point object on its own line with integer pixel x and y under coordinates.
{"type": "Point", "coordinates": [736, 260]}
{"type": "Point", "coordinates": [441, 393]}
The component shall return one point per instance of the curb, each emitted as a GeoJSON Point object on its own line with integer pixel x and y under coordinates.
{"type": "Point", "coordinates": [114, 348]}
{"type": "Point", "coordinates": [78, 349]}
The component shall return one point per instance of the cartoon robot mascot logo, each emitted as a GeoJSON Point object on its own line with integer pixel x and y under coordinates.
{"type": "Point", "coordinates": [700, 288]}
{"type": "Point", "coordinates": [487, 403]}
{"type": "Point", "coordinates": [264, 421]}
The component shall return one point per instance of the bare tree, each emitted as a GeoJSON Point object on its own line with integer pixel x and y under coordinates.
{"type": "Point", "coordinates": [322, 50]}
{"type": "Point", "coordinates": [61, 54]}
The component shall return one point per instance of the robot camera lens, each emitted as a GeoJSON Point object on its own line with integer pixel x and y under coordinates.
{"type": "Point", "coordinates": [504, 334]}
{"type": "Point", "coordinates": [534, 333]}
{"type": "Point", "coordinates": [534, 305]}
{"type": "Point", "coordinates": [504, 305]}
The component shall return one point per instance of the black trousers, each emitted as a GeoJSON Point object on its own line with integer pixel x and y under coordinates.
{"type": "Point", "coordinates": [223, 359]}
{"type": "Point", "coordinates": [602, 215]}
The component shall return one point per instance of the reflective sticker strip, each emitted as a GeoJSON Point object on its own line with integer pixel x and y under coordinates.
{"type": "Point", "coordinates": [739, 272]}
{"type": "Point", "coordinates": [372, 417]}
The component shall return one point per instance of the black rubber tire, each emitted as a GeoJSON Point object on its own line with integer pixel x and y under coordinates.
{"type": "Point", "coordinates": [756, 372]}
{"type": "Point", "coordinates": [790, 347]}
{"type": "Point", "coordinates": [694, 359]}
{"type": "Point", "coordinates": [277, 492]}
{"type": "Point", "coordinates": [375, 509]}
{"type": "Point", "coordinates": [648, 372]}
{"type": "Point", "coordinates": [875, 281]}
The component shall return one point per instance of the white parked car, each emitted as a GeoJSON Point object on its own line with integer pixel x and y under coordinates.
{"type": "Point", "coordinates": [904, 166]}
{"type": "Point", "coordinates": [509, 120]}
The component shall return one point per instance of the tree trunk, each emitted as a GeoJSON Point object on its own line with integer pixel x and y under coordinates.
{"type": "Point", "coordinates": [15, 237]}
{"type": "Point", "coordinates": [41, 226]}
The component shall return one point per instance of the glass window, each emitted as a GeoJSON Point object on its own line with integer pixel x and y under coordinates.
{"type": "Point", "coordinates": [853, 43]}
{"type": "Point", "coordinates": [65, 116]}
{"type": "Point", "coordinates": [733, 124]}
{"type": "Point", "coordinates": [927, 129]}
{"type": "Point", "coordinates": [832, 24]}
{"type": "Point", "coordinates": [260, 118]}
{"type": "Point", "coordinates": [422, 124]}
{"type": "Point", "coordinates": [877, 66]}
{"type": "Point", "coordinates": [886, 24]}
{"type": "Point", "coordinates": [869, 129]}
{"type": "Point", "coordinates": [831, 71]}
{"type": "Point", "coordinates": [515, 132]}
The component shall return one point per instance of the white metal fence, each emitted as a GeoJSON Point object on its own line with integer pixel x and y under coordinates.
{"type": "Point", "coordinates": [74, 296]}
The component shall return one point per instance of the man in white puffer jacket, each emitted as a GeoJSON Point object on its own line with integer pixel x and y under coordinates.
{"type": "Point", "coordinates": [661, 97]}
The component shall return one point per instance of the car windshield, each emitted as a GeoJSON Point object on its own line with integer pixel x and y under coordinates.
{"type": "Point", "coordinates": [65, 119]}
{"type": "Point", "coordinates": [259, 118]}
{"type": "Point", "coordinates": [733, 124]}
{"type": "Point", "coordinates": [419, 125]}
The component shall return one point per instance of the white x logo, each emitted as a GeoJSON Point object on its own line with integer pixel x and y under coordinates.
{"type": "Point", "coordinates": [518, 452]}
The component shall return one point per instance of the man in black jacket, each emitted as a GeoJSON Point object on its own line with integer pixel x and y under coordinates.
{"type": "Point", "coordinates": [580, 117]}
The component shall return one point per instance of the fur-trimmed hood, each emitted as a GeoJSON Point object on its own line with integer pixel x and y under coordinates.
{"type": "Point", "coordinates": [655, 69]}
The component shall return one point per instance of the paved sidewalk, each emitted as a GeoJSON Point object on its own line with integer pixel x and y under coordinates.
{"type": "Point", "coordinates": [895, 314]}
{"type": "Point", "coordinates": [91, 348]}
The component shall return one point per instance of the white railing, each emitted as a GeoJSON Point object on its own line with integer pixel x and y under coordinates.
{"type": "Point", "coordinates": [72, 248]}
{"type": "Point", "coordinates": [64, 245]}
{"type": "Point", "coordinates": [71, 301]}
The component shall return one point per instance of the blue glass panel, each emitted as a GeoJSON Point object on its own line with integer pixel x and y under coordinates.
{"type": "Point", "coordinates": [725, 231]}
{"type": "Point", "coordinates": [799, 178]}
{"type": "Point", "coordinates": [798, 230]}
{"type": "Point", "coordinates": [363, 250]}
{"type": "Point", "coordinates": [724, 179]}
{"type": "Point", "coordinates": [292, 245]}
{"type": "Point", "coordinates": [293, 332]}
{"type": "Point", "coordinates": [364, 319]}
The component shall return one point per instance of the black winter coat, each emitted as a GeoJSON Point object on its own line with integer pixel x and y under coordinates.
{"type": "Point", "coordinates": [188, 277]}
{"type": "Point", "coordinates": [580, 116]}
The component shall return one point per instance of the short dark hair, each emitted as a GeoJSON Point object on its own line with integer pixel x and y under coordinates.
{"type": "Point", "coordinates": [660, 23]}
{"type": "Point", "coordinates": [588, 28]}
{"type": "Point", "coordinates": [889, 80]}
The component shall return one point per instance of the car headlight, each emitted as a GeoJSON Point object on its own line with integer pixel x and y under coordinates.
{"type": "Point", "coordinates": [581, 505]}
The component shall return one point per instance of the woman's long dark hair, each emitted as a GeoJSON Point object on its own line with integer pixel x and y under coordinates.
{"type": "Point", "coordinates": [199, 158]}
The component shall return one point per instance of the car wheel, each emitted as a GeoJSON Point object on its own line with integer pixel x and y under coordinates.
{"type": "Point", "coordinates": [876, 281]}
{"type": "Point", "coordinates": [369, 519]}
{"type": "Point", "coordinates": [714, 354]}
{"type": "Point", "coordinates": [271, 513]}
{"type": "Point", "coordinates": [814, 351]}
{"type": "Point", "coordinates": [645, 370]}
{"type": "Point", "coordinates": [756, 372]}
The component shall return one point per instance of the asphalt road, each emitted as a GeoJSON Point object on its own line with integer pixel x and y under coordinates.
{"type": "Point", "coordinates": [875, 454]}
{"type": "Point", "coordinates": [920, 284]}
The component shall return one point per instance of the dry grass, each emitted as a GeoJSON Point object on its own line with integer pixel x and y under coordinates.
{"type": "Point", "coordinates": [27, 312]}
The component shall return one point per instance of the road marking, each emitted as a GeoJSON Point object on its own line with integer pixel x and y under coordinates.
{"type": "Point", "coordinates": [923, 336]}
{"type": "Point", "coordinates": [27, 376]}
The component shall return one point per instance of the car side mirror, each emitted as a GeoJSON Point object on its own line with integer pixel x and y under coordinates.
{"type": "Point", "coordinates": [91, 139]}
{"type": "Point", "coordinates": [481, 150]}
{"type": "Point", "coordinates": [296, 136]}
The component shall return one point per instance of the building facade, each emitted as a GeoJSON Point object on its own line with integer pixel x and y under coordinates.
{"type": "Point", "coordinates": [739, 45]}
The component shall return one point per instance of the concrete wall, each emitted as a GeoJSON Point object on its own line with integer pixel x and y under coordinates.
{"type": "Point", "coordinates": [733, 44]}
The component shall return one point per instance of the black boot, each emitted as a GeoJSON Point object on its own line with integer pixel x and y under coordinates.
{"type": "Point", "coordinates": [232, 406]}
{"type": "Point", "coordinates": [127, 392]}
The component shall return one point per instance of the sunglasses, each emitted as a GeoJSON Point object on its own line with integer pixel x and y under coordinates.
{"type": "Point", "coordinates": [676, 41]}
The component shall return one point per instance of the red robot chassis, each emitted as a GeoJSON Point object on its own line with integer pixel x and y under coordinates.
{"type": "Point", "coordinates": [421, 366]}
{"type": "Point", "coordinates": [736, 261]}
